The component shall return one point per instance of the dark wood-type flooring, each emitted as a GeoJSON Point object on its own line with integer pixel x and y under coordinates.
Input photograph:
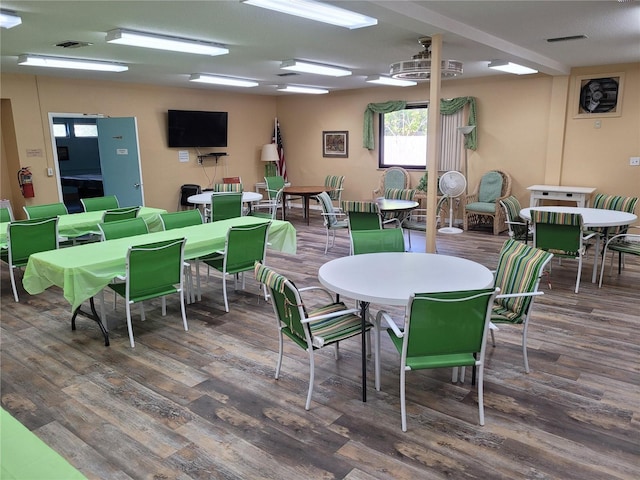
{"type": "Point", "coordinates": [204, 404]}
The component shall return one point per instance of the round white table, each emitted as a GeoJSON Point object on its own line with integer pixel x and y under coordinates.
{"type": "Point", "coordinates": [205, 197]}
{"type": "Point", "coordinates": [591, 218]}
{"type": "Point", "coordinates": [390, 278]}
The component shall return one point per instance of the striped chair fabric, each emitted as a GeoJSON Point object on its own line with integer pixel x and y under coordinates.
{"type": "Point", "coordinates": [362, 215]}
{"type": "Point", "coordinates": [518, 227]}
{"type": "Point", "coordinates": [330, 217]}
{"type": "Point", "coordinates": [360, 207]}
{"type": "Point", "coordinates": [400, 193]}
{"type": "Point", "coordinates": [520, 268]}
{"type": "Point", "coordinates": [227, 187]}
{"type": "Point", "coordinates": [613, 202]}
{"type": "Point", "coordinates": [622, 243]}
{"type": "Point", "coordinates": [323, 326]}
{"type": "Point", "coordinates": [336, 182]}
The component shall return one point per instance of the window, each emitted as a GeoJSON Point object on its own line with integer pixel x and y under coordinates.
{"type": "Point", "coordinates": [85, 130]}
{"type": "Point", "coordinates": [60, 130]}
{"type": "Point", "coordinates": [403, 138]}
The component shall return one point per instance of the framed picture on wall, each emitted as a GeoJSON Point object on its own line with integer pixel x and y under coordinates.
{"type": "Point", "coordinates": [335, 144]}
{"type": "Point", "coordinates": [598, 95]}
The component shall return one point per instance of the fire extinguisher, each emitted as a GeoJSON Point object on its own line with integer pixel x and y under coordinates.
{"type": "Point", "coordinates": [26, 182]}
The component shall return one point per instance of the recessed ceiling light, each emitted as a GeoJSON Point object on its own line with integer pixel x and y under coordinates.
{"type": "Point", "coordinates": [396, 82]}
{"type": "Point", "coordinates": [317, 68]}
{"type": "Point", "coordinates": [9, 19]}
{"type": "Point", "coordinates": [510, 67]}
{"type": "Point", "coordinates": [297, 89]}
{"type": "Point", "coordinates": [220, 80]}
{"type": "Point", "coordinates": [318, 11]}
{"type": "Point", "coordinates": [73, 63]}
{"type": "Point", "coordinates": [163, 42]}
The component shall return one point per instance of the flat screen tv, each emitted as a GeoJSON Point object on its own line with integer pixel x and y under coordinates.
{"type": "Point", "coordinates": [190, 128]}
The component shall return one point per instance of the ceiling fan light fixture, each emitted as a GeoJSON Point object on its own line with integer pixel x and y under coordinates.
{"type": "Point", "coordinates": [419, 67]}
{"type": "Point", "coordinates": [510, 67]}
{"type": "Point", "coordinates": [320, 12]}
{"type": "Point", "coordinates": [221, 80]}
{"type": "Point", "coordinates": [9, 19]}
{"type": "Point", "coordinates": [317, 68]}
{"type": "Point", "coordinates": [298, 89]}
{"type": "Point", "coordinates": [395, 82]}
{"type": "Point", "coordinates": [162, 42]}
{"type": "Point", "coordinates": [72, 63]}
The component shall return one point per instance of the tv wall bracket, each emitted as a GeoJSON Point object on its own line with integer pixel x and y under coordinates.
{"type": "Point", "coordinates": [215, 155]}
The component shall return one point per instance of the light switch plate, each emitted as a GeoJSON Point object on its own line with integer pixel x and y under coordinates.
{"type": "Point", "coordinates": [634, 161]}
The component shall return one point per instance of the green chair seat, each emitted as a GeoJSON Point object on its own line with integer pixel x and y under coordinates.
{"type": "Point", "coordinates": [481, 207]}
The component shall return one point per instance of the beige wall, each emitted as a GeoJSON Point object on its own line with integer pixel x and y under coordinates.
{"type": "Point", "coordinates": [525, 127]}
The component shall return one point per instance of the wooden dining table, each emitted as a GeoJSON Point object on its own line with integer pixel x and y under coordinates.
{"type": "Point", "coordinates": [305, 192]}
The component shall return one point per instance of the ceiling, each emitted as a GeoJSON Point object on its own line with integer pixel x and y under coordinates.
{"type": "Point", "coordinates": [473, 32]}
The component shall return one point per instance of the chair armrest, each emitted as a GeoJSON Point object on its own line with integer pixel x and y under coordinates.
{"type": "Point", "coordinates": [517, 295]}
{"type": "Point", "coordinates": [327, 292]}
{"type": "Point", "coordinates": [392, 220]}
{"type": "Point", "coordinates": [354, 311]}
{"type": "Point", "coordinates": [392, 324]}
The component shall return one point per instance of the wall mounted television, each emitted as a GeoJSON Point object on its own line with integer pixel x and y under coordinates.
{"type": "Point", "coordinates": [190, 128]}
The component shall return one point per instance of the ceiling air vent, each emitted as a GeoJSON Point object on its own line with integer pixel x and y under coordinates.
{"type": "Point", "coordinates": [287, 74]}
{"type": "Point", "coordinates": [73, 44]}
{"type": "Point", "coordinates": [566, 39]}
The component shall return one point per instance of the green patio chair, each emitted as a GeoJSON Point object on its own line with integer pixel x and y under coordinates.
{"type": "Point", "coordinates": [309, 328]}
{"type": "Point", "coordinates": [520, 268]}
{"type": "Point", "coordinates": [624, 243]}
{"type": "Point", "coordinates": [117, 214]}
{"type": "Point", "coordinates": [268, 209]}
{"type": "Point", "coordinates": [123, 228]}
{"type": "Point", "coordinates": [183, 218]}
{"type": "Point", "coordinates": [24, 238]}
{"type": "Point", "coordinates": [244, 246]}
{"type": "Point", "coordinates": [362, 215]}
{"type": "Point", "coordinates": [374, 241]}
{"type": "Point", "coordinates": [336, 182]}
{"type": "Point", "coordinates": [273, 202]}
{"type": "Point", "coordinates": [441, 330]}
{"type": "Point", "coordinates": [228, 187]}
{"type": "Point", "coordinates": [152, 270]}
{"type": "Point", "coordinates": [519, 228]}
{"type": "Point", "coordinates": [94, 204]}
{"type": "Point", "coordinates": [45, 211]}
{"type": "Point", "coordinates": [333, 218]}
{"type": "Point", "coordinates": [561, 234]}
{"type": "Point", "coordinates": [6, 212]}
{"type": "Point", "coordinates": [226, 205]}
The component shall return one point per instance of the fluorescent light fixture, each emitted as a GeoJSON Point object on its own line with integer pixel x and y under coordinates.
{"type": "Point", "coordinates": [396, 82]}
{"type": "Point", "coordinates": [318, 11]}
{"type": "Point", "coordinates": [510, 67]}
{"type": "Point", "coordinates": [218, 80]}
{"type": "Point", "coordinates": [296, 89]}
{"type": "Point", "coordinates": [9, 19]}
{"type": "Point", "coordinates": [317, 68]}
{"type": "Point", "coordinates": [74, 63]}
{"type": "Point", "coordinates": [163, 42]}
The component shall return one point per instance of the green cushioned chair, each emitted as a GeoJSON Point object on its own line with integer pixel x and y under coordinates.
{"type": "Point", "coordinates": [393, 177]}
{"type": "Point", "coordinates": [183, 218]}
{"type": "Point", "coordinates": [518, 226]}
{"type": "Point", "coordinates": [94, 204]}
{"type": "Point", "coordinates": [228, 187]}
{"type": "Point", "coordinates": [613, 202]}
{"type": "Point", "coordinates": [244, 246]}
{"type": "Point", "coordinates": [374, 241]}
{"type": "Point", "coordinates": [24, 238]}
{"type": "Point", "coordinates": [336, 182]}
{"type": "Point", "coordinates": [624, 243]}
{"type": "Point", "coordinates": [441, 330]}
{"type": "Point", "coordinates": [309, 328]}
{"type": "Point", "coordinates": [117, 214]}
{"type": "Point", "coordinates": [152, 270]}
{"type": "Point", "coordinates": [561, 234]}
{"type": "Point", "coordinates": [226, 205]}
{"type": "Point", "coordinates": [334, 219]}
{"type": "Point", "coordinates": [45, 211]}
{"type": "Point", "coordinates": [482, 207]}
{"type": "Point", "coordinates": [520, 268]}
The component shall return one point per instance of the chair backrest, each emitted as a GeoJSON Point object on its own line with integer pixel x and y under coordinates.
{"type": "Point", "coordinates": [374, 241]}
{"type": "Point", "coordinates": [123, 228]}
{"type": "Point", "coordinates": [614, 202]}
{"type": "Point", "coordinates": [154, 269]}
{"type": "Point", "coordinates": [511, 206]}
{"type": "Point", "coordinates": [94, 204]}
{"type": "Point", "coordinates": [117, 214]}
{"type": "Point", "coordinates": [336, 182]}
{"type": "Point", "coordinates": [394, 177]}
{"type": "Point", "coordinates": [26, 237]}
{"type": "Point", "coordinates": [362, 215]}
{"type": "Point", "coordinates": [491, 187]}
{"type": "Point", "coordinates": [287, 304]}
{"type": "Point", "coordinates": [45, 211]}
{"type": "Point", "coordinates": [400, 193]}
{"type": "Point", "coordinates": [227, 187]}
{"type": "Point", "coordinates": [520, 268]}
{"type": "Point", "coordinates": [447, 323]}
{"type": "Point", "coordinates": [328, 210]}
{"type": "Point", "coordinates": [271, 207]}
{"type": "Point", "coordinates": [244, 246]}
{"type": "Point", "coordinates": [231, 180]}
{"type": "Point", "coordinates": [274, 185]}
{"type": "Point", "coordinates": [186, 191]}
{"type": "Point", "coordinates": [181, 219]}
{"type": "Point", "coordinates": [6, 212]}
{"type": "Point", "coordinates": [558, 233]}
{"type": "Point", "coordinates": [226, 205]}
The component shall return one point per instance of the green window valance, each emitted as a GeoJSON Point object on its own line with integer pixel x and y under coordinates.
{"type": "Point", "coordinates": [447, 107]}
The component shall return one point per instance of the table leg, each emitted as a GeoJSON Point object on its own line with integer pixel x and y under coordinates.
{"type": "Point", "coordinates": [364, 310]}
{"type": "Point", "coordinates": [93, 316]}
{"type": "Point", "coordinates": [305, 199]}
{"type": "Point", "coordinates": [284, 207]}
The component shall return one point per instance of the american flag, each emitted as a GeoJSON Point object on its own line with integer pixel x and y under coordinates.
{"type": "Point", "coordinates": [277, 138]}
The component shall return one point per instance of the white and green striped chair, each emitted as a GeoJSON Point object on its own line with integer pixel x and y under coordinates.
{"type": "Point", "coordinates": [336, 182]}
{"type": "Point", "coordinates": [624, 243]}
{"type": "Point", "coordinates": [520, 268]}
{"type": "Point", "coordinates": [310, 329]}
{"type": "Point", "coordinates": [518, 226]}
{"type": "Point", "coordinates": [613, 202]}
{"type": "Point", "coordinates": [334, 219]}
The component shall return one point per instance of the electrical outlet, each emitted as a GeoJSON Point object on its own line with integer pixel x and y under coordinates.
{"type": "Point", "coordinates": [634, 161]}
{"type": "Point", "coordinates": [49, 172]}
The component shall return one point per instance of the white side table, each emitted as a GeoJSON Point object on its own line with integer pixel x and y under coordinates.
{"type": "Point", "coordinates": [580, 195]}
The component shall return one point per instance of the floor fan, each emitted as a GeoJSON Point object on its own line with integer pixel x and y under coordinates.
{"type": "Point", "coordinates": [452, 184]}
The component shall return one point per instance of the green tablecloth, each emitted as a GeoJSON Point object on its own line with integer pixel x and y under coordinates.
{"type": "Point", "coordinates": [78, 224]}
{"type": "Point", "coordinates": [25, 456]}
{"type": "Point", "coordinates": [82, 271]}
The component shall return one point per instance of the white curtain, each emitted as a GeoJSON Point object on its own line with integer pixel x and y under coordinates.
{"type": "Point", "coordinates": [452, 142]}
